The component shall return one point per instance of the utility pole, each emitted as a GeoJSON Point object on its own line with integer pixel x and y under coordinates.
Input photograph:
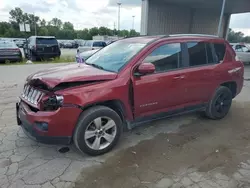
{"type": "Point", "coordinates": [34, 20]}
{"type": "Point", "coordinates": [133, 24]}
{"type": "Point", "coordinates": [119, 12]}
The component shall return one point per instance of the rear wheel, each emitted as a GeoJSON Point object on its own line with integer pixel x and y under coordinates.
{"type": "Point", "coordinates": [98, 130]}
{"type": "Point", "coordinates": [220, 104]}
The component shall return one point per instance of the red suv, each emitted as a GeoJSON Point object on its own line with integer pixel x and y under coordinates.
{"type": "Point", "coordinates": [127, 83]}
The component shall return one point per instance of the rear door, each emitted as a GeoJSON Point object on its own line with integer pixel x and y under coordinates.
{"type": "Point", "coordinates": [163, 90]}
{"type": "Point", "coordinates": [200, 82]}
{"type": "Point", "coordinates": [47, 45]}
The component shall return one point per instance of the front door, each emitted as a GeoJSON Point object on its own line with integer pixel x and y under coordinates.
{"type": "Point", "coordinates": [164, 89]}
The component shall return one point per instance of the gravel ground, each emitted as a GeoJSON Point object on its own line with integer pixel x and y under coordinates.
{"type": "Point", "coordinates": [185, 151]}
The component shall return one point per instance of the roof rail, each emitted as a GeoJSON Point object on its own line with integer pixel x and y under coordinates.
{"type": "Point", "coordinates": [195, 35]}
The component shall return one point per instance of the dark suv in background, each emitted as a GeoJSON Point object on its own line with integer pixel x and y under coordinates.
{"type": "Point", "coordinates": [42, 47]}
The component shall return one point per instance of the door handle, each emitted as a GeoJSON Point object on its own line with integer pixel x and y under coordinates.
{"type": "Point", "coordinates": [179, 77]}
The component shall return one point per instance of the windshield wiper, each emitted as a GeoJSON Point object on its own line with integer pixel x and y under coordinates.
{"type": "Point", "coordinates": [95, 65]}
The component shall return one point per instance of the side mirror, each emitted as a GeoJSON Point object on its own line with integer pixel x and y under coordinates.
{"type": "Point", "coordinates": [145, 68]}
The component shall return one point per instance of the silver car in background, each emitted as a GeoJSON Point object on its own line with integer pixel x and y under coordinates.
{"type": "Point", "coordinates": [91, 45]}
{"type": "Point", "coordinates": [242, 51]}
{"type": "Point", "coordinates": [85, 55]}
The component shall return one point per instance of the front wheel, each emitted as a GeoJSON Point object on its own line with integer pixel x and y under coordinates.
{"type": "Point", "coordinates": [220, 104]}
{"type": "Point", "coordinates": [98, 130]}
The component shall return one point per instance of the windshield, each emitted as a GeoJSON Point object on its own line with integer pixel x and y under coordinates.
{"type": "Point", "coordinates": [115, 56]}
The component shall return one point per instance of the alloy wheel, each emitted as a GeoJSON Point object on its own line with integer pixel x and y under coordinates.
{"type": "Point", "coordinates": [100, 133]}
{"type": "Point", "coordinates": [223, 103]}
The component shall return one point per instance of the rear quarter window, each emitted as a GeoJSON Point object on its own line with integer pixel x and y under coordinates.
{"type": "Point", "coordinates": [220, 50]}
{"type": "Point", "coordinates": [98, 44]}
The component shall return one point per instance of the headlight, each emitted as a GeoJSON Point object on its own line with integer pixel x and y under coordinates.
{"type": "Point", "coordinates": [54, 102]}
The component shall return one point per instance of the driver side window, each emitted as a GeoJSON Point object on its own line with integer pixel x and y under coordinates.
{"type": "Point", "coordinates": [166, 57]}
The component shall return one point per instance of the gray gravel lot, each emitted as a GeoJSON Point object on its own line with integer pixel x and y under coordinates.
{"type": "Point", "coordinates": [28, 164]}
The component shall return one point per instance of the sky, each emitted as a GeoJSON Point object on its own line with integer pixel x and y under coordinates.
{"type": "Point", "coordinates": [96, 13]}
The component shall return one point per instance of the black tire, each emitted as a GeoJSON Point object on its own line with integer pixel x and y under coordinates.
{"type": "Point", "coordinates": [85, 119]}
{"type": "Point", "coordinates": [220, 104]}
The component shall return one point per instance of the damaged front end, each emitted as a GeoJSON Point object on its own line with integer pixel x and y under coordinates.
{"type": "Point", "coordinates": [41, 97]}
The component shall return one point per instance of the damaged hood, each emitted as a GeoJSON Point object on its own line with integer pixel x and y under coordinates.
{"type": "Point", "coordinates": [70, 73]}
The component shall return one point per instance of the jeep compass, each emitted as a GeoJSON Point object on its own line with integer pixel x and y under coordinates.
{"type": "Point", "coordinates": [131, 81]}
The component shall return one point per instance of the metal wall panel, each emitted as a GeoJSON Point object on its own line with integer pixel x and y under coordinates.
{"type": "Point", "coordinates": [164, 18]}
{"type": "Point", "coordinates": [167, 19]}
{"type": "Point", "coordinates": [205, 22]}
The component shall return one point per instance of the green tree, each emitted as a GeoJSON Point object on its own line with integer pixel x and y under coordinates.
{"type": "Point", "coordinates": [247, 39]}
{"type": "Point", "coordinates": [94, 31]}
{"type": "Point", "coordinates": [235, 36]}
{"type": "Point", "coordinates": [133, 33]}
{"type": "Point", "coordinates": [103, 31]}
{"type": "Point", "coordinates": [42, 23]}
{"type": "Point", "coordinates": [61, 30]}
{"type": "Point", "coordinates": [17, 15]}
{"type": "Point", "coordinates": [123, 33]}
{"type": "Point", "coordinates": [56, 22]}
{"type": "Point", "coordinates": [83, 34]}
{"type": "Point", "coordinates": [4, 28]}
{"type": "Point", "coordinates": [68, 26]}
{"type": "Point", "coordinates": [43, 31]}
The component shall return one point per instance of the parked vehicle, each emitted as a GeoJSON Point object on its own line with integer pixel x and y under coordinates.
{"type": "Point", "coordinates": [85, 55]}
{"type": "Point", "coordinates": [41, 47]}
{"type": "Point", "coordinates": [242, 51]}
{"type": "Point", "coordinates": [20, 43]}
{"type": "Point", "coordinates": [91, 45]}
{"type": "Point", "coordinates": [9, 51]}
{"type": "Point", "coordinates": [61, 43]}
{"type": "Point", "coordinates": [91, 104]}
{"type": "Point", "coordinates": [68, 44]}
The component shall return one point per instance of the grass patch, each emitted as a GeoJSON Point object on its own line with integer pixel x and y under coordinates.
{"type": "Point", "coordinates": [62, 59]}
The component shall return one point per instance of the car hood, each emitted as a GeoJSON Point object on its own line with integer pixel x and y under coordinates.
{"type": "Point", "coordinates": [70, 73]}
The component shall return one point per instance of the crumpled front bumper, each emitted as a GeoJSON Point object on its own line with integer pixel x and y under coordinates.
{"type": "Point", "coordinates": [59, 131]}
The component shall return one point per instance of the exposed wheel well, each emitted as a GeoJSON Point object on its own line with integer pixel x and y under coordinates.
{"type": "Point", "coordinates": [232, 86]}
{"type": "Point", "coordinates": [115, 105]}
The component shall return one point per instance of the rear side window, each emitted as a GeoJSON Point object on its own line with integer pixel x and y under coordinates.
{"type": "Point", "coordinates": [220, 50]}
{"type": "Point", "coordinates": [241, 48]}
{"type": "Point", "coordinates": [46, 41]}
{"type": "Point", "coordinates": [197, 53]}
{"type": "Point", "coordinates": [98, 44]}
